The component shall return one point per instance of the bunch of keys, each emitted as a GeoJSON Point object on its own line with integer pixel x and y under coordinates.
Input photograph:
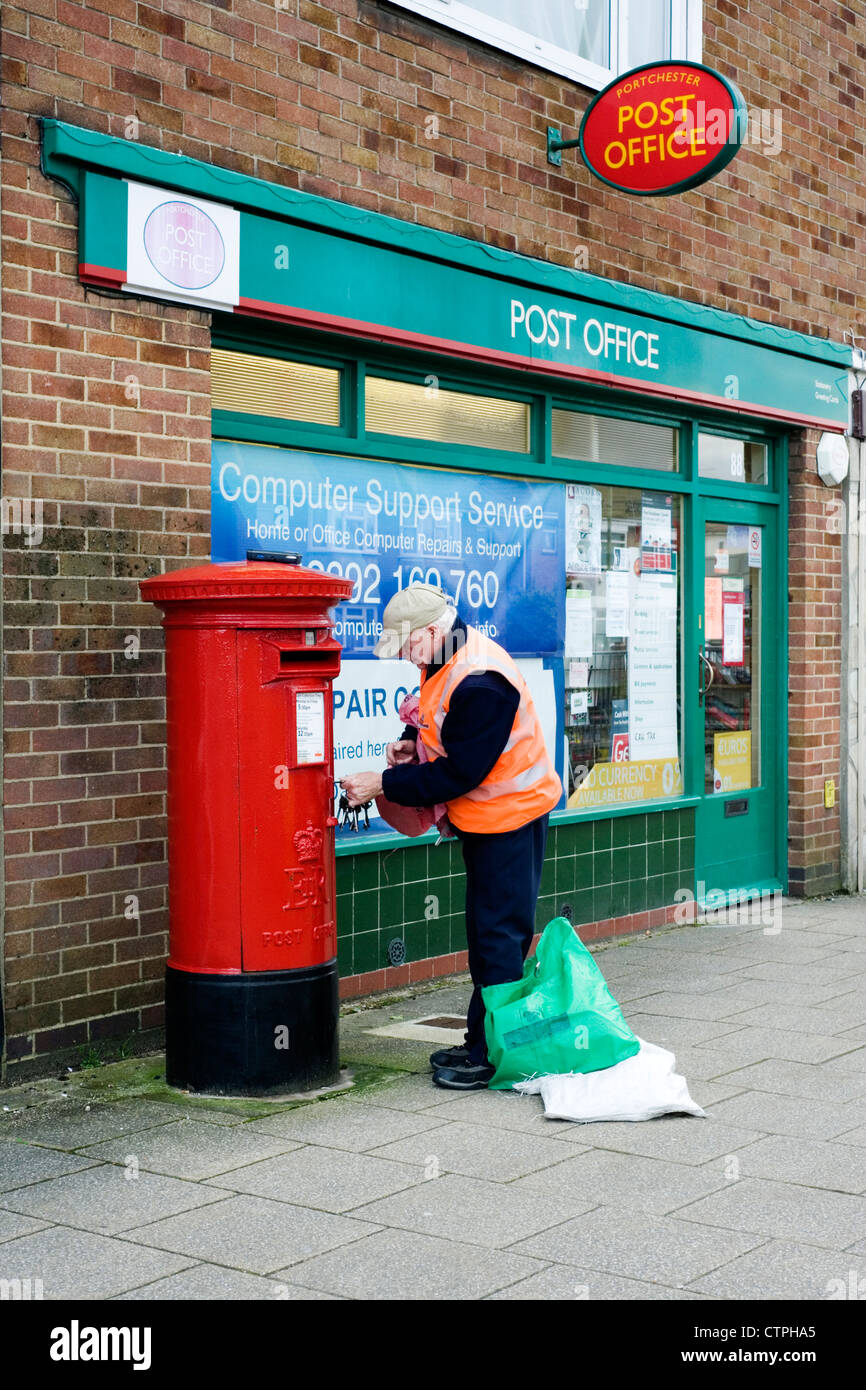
{"type": "Point", "coordinates": [351, 815]}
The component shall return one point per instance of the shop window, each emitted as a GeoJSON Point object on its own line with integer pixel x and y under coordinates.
{"type": "Point", "coordinates": [622, 646]}
{"type": "Point", "coordinates": [589, 40]}
{"type": "Point", "coordinates": [606, 439]}
{"type": "Point", "coordinates": [446, 417]}
{"type": "Point", "coordinates": [731, 460]}
{"type": "Point", "coordinates": [731, 657]}
{"type": "Point", "coordinates": [251, 385]}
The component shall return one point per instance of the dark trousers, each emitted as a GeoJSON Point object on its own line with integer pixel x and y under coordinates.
{"type": "Point", "coordinates": [503, 876]}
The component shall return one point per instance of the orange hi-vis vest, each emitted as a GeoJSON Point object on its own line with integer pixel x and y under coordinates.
{"type": "Point", "coordinates": [523, 783]}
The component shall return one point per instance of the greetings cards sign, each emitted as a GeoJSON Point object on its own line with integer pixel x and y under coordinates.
{"type": "Point", "coordinates": [663, 128]}
{"type": "Point", "coordinates": [181, 248]}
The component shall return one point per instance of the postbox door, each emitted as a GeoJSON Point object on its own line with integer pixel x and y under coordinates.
{"type": "Point", "coordinates": [288, 909]}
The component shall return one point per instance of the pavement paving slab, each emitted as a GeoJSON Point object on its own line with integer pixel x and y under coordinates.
{"type": "Point", "coordinates": [855, 1035]}
{"type": "Point", "coordinates": [190, 1149]}
{"type": "Point", "coordinates": [831, 971]}
{"type": "Point", "coordinates": [404, 1265]}
{"type": "Point", "coordinates": [785, 1078]}
{"type": "Point", "coordinates": [471, 1211]}
{"type": "Point", "coordinates": [477, 1151]}
{"type": "Point", "coordinates": [780, 1269]}
{"type": "Point", "coordinates": [82, 1265]}
{"type": "Point", "coordinates": [562, 1282]}
{"type": "Point", "coordinates": [13, 1224]}
{"type": "Point", "coordinates": [757, 992]}
{"type": "Point", "coordinates": [625, 1180]}
{"type": "Point", "coordinates": [26, 1163]}
{"type": "Point", "coordinates": [67, 1125]}
{"type": "Point", "coordinates": [773, 1208]}
{"type": "Point", "coordinates": [251, 1233]}
{"type": "Point", "coordinates": [755, 1044]}
{"type": "Point", "coordinates": [108, 1199]}
{"type": "Point", "coordinates": [717, 1006]}
{"type": "Point", "coordinates": [503, 1110]}
{"type": "Point", "coordinates": [407, 1091]}
{"type": "Point", "coordinates": [671, 1138]}
{"type": "Point", "coordinates": [207, 1283]}
{"type": "Point", "coordinates": [638, 1245]}
{"type": "Point", "coordinates": [341, 1125]}
{"type": "Point", "coordinates": [836, 1166]}
{"type": "Point", "coordinates": [794, 1115]}
{"type": "Point", "coordinates": [325, 1179]}
{"type": "Point", "coordinates": [670, 1032]}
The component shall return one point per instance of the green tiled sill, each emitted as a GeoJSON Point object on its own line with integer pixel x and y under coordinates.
{"type": "Point", "coordinates": [366, 843]}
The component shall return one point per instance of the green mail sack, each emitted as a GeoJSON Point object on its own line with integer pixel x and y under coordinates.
{"type": "Point", "coordinates": [560, 1017]}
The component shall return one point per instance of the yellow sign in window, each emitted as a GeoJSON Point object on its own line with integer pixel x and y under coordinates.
{"type": "Point", "coordinates": [732, 761]}
{"type": "Point", "coordinates": [615, 784]}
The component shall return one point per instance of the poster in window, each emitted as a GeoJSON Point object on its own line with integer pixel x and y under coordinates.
{"type": "Point", "coordinates": [652, 669]}
{"type": "Point", "coordinates": [713, 608]}
{"type": "Point", "coordinates": [578, 624]}
{"type": "Point", "coordinates": [616, 784]}
{"type": "Point", "coordinates": [616, 603]}
{"type": "Point", "coordinates": [737, 538]}
{"type": "Point", "coordinates": [732, 761]}
{"type": "Point", "coordinates": [656, 533]}
{"type": "Point", "coordinates": [496, 545]}
{"type": "Point", "coordinates": [619, 731]}
{"type": "Point", "coordinates": [733, 628]}
{"type": "Point", "coordinates": [582, 529]}
{"type": "Point", "coordinates": [579, 706]}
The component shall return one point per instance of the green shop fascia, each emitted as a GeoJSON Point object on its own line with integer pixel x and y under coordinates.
{"type": "Point", "coordinates": [596, 472]}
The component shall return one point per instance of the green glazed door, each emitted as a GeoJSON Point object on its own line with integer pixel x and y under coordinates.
{"type": "Point", "coordinates": [735, 669]}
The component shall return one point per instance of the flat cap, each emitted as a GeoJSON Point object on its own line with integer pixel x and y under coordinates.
{"type": "Point", "coordinates": [410, 609]}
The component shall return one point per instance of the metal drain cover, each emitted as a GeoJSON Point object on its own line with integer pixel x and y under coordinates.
{"type": "Point", "coordinates": [443, 1028]}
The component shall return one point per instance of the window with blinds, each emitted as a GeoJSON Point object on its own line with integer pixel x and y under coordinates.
{"type": "Point", "coordinates": [605, 439]}
{"type": "Point", "coordinates": [252, 385]}
{"type": "Point", "coordinates": [446, 417]}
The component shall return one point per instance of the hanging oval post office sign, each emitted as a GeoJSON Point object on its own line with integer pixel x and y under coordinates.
{"type": "Point", "coordinates": [663, 128]}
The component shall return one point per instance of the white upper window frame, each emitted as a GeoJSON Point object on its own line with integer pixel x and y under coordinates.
{"type": "Point", "coordinates": [686, 24]}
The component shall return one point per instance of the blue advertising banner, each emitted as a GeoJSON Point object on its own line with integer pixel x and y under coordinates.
{"type": "Point", "coordinates": [496, 545]}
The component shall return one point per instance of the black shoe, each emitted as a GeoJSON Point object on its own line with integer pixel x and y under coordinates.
{"type": "Point", "coordinates": [464, 1076]}
{"type": "Point", "coordinates": [447, 1056]}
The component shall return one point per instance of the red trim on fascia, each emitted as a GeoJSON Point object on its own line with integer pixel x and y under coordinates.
{"type": "Point", "coordinates": [307, 318]}
{"type": "Point", "coordinates": [101, 275]}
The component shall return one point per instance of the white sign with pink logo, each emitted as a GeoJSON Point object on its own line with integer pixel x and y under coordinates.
{"type": "Point", "coordinates": [181, 248]}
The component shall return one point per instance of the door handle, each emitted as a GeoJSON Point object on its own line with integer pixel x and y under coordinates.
{"type": "Point", "coordinates": [702, 688]}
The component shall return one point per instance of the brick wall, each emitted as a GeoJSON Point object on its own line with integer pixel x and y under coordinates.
{"type": "Point", "coordinates": [108, 421]}
{"type": "Point", "coordinates": [814, 674]}
{"type": "Point", "coordinates": [106, 405]}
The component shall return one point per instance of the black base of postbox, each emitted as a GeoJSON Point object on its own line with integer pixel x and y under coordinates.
{"type": "Point", "coordinates": [253, 1034]}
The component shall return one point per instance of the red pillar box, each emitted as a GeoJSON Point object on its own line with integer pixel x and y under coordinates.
{"type": "Point", "coordinates": [251, 980]}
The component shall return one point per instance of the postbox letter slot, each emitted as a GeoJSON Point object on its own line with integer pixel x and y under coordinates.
{"type": "Point", "coordinates": [306, 656]}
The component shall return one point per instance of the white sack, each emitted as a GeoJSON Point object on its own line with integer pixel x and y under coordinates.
{"type": "Point", "coordinates": [640, 1088]}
